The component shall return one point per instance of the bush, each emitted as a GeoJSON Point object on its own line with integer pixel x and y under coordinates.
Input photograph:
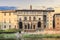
{"type": "Point", "coordinates": [9, 30]}
{"type": "Point", "coordinates": [41, 36]}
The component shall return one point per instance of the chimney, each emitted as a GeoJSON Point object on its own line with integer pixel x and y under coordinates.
{"type": "Point", "coordinates": [30, 7]}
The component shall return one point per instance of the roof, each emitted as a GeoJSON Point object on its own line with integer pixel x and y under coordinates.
{"type": "Point", "coordinates": [7, 11]}
{"type": "Point", "coordinates": [26, 10]}
{"type": "Point", "coordinates": [38, 10]}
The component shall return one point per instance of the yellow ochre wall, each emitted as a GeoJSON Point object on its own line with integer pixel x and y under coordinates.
{"type": "Point", "coordinates": [6, 18]}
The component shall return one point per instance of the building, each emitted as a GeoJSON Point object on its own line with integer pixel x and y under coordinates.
{"type": "Point", "coordinates": [34, 20]}
{"type": "Point", "coordinates": [56, 21]}
{"type": "Point", "coordinates": [26, 20]}
{"type": "Point", "coordinates": [8, 19]}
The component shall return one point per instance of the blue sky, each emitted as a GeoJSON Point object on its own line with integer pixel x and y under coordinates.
{"type": "Point", "coordinates": [25, 3]}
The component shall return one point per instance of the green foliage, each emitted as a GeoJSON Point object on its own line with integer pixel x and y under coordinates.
{"type": "Point", "coordinates": [41, 36]}
{"type": "Point", "coordinates": [1, 35]}
{"type": "Point", "coordinates": [1, 31]}
{"type": "Point", "coordinates": [9, 30]}
{"type": "Point", "coordinates": [7, 36]}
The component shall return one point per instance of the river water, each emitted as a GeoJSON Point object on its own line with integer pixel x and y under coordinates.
{"type": "Point", "coordinates": [34, 39]}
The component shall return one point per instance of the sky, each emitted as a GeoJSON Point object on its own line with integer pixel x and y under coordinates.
{"type": "Point", "coordinates": [24, 4]}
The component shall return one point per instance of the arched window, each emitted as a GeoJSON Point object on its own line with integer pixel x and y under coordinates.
{"type": "Point", "coordinates": [39, 24]}
{"type": "Point", "coordinates": [20, 25]}
{"type": "Point", "coordinates": [25, 26]}
{"type": "Point", "coordinates": [28, 26]}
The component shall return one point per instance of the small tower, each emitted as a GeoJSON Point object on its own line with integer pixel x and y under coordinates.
{"type": "Point", "coordinates": [30, 7]}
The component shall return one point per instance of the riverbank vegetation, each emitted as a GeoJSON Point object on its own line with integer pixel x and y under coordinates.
{"type": "Point", "coordinates": [7, 36]}
{"type": "Point", "coordinates": [41, 36]}
{"type": "Point", "coordinates": [9, 31]}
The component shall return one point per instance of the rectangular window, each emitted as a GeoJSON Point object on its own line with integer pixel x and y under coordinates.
{"type": "Point", "coordinates": [25, 18]}
{"type": "Point", "coordinates": [4, 14]}
{"type": "Point", "coordinates": [34, 18]}
{"type": "Point", "coordinates": [58, 23]}
{"type": "Point", "coordinates": [28, 26]}
{"type": "Point", "coordinates": [4, 26]}
{"type": "Point", "coordinates": [9, 26]}
{"type": "Point", "coordinates": [44, 19]}
{"type": "Point", "coordinates": [33, 26]}
{"type": "Point", "coordinates": [25, 26]}
{"type": "Point", "coordinates": [15, 26]}
{"type": "Point", "coordinates": [9, 14]}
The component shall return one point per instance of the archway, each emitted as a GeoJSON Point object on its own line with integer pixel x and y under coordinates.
{"type": "Point", "coordinates": [20, 25]}
{"type": "Point", "coordinates": [28, 26]}
{"type": "Point", "coordinates": [39, 24]}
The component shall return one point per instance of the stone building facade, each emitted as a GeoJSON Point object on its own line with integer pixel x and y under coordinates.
{"type": "Point", "coordinates": [26, 20]}
{"type": "Point", "coordinates": [56, 21]}
{"type": "Point", "coordinates": [34, 20]}
{"type": "Point", "coordinates": [8, 19]}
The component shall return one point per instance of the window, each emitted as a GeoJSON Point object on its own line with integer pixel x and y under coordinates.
{"type": "Point", "coordinates": [28, 26]}
{"type": "Point", "coordinates": [53, 23]}
{"type": "Point", "coordinates": [44, 26]}
{"type": "Point", "coordinates": [30, 18]}
{"type": "Point", "coordinates": [39, 18]}
{"type": "Point", "coordinates": [4, 14]}
{"type": "Point", "coordinates": [20, 19]}
{"type": "Point", "coordinates": [9, 14]}
{"type": "Point", "coordinates": [20, 25]}
{"type": "Point", "coordinates": [33, 26]}
{"type": "Point", "coordinates": [9, 26]}
{"type": "Point", "coordinates": [58, 23]}
{"type": "Point", "coordinates": [44, 18]}
{"type": "Point", "coordinates": [25, 18]}
{"type": "Point", "coordinates": [4, 26]}
{"type": "Point", "coordinates": [25, 26]}
{"type": "Point", "coordinates": [39, 24]}
{"type": "Point", "coordinates": [34, 18]}
{"type": "Point", "coordinates": [15, 26]}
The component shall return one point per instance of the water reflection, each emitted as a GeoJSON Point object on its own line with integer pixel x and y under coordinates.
{"type": "Point", "coordinates": [42, 39]}
{"type": "Point", "coordinates": [34, 39]}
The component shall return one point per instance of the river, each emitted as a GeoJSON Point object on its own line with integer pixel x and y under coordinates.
{"type": "Point", "coordinates": [34, 39]}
